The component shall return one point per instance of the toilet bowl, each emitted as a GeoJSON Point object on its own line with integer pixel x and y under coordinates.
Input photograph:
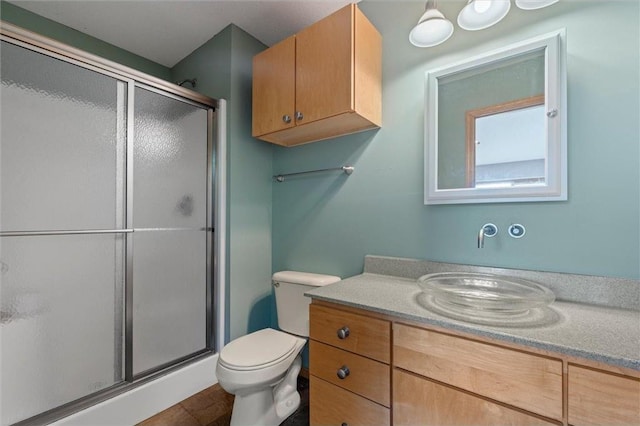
{"type": "Point", "coordinates": [261, 368]}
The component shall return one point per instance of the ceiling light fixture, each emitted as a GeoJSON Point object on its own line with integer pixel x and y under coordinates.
{"type": "Point", "coordinates": [534, 4]}
{"type": "Point", "coordinates": [432, 28]}
{"type": "Point", "coordinates": [481, 14]}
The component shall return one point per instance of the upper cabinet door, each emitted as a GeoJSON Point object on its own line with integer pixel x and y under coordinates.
{"type": "Point", "coordinates": [274, 79]}
{"type": "Point", "coordinates": [324, 59]}
{"type": "Point", "coordinates": [321, 83]}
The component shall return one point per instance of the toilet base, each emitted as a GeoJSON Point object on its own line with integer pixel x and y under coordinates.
{"type": "Point", "coordinates": [269, 406]}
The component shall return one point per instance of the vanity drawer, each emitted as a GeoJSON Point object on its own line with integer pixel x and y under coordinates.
{"type": "Point", "coordinates": [366, 336]}
{"type": "Point", "coordinates": [524, 380]}
{"type": "Point", "coordinates": [598, 398]}
{"type": "Point", "coordinates": [419, 401]}
{"type": "Point", "coordinates": [331, 405]}
{"type": "Point", "coordinates": [366, 377]}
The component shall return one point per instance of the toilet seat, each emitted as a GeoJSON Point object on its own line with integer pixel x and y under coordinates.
{"type": "Point", "coordinates": [258, 350]}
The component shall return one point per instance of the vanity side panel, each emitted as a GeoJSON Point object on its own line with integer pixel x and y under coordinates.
{"type": "Point", "coordinates": [524, 380]}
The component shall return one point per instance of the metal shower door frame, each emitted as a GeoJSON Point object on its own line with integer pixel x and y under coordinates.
{"type": "Point", "coordinates": [129, 374]}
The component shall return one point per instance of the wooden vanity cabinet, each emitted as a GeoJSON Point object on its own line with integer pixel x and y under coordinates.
{"type": "Point", "coordinates": [406, 373]}
{"type": "Point", "coordinates": [349, 371]}
{"type": "Point", "coordinates": [602, 398]}
{"type": "Point", "coordinates": [323, 82]}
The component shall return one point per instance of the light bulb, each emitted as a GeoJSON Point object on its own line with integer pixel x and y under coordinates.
{"type": "Point", "coordinates": [481, 6]}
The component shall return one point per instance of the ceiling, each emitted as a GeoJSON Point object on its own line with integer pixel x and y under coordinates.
{"type": "Point", "coordinates": [165, 31]}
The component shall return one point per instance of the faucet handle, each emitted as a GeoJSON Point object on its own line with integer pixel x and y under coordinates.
{"type": "Point", "coordinates": [490, 230]}
{"type": "Point", "coordinates": [487, 230]}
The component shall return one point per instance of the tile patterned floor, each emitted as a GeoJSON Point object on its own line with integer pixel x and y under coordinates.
{"type": "Point", "coordinates": [212, 407]}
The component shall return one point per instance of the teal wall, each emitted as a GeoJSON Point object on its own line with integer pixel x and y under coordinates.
{"type": "Point", "coordinates": [327, 223]}
{"type": "Point", "coordinates": [223, 67]}
{"type": "Point", "coordinates": [46, 27]}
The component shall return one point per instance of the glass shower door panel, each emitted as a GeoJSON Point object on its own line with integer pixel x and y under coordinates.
{"type": "Point", "coordinates": [59, 143]}
{"type": "Point", "coordinates": [169, 297]}
{"type": "Point", "coordinates": [170, 238]}
{"type": "Point", "coordinates": [60, 320]}
{"type": "Point", "coordinates": [170, 162]}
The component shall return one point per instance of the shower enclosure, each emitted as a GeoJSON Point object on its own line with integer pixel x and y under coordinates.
{"type": "Point", "coordinates": [106, 228]}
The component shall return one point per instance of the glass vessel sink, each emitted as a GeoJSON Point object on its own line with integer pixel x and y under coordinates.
{"type": "Point", "coordinates": [485, 298]}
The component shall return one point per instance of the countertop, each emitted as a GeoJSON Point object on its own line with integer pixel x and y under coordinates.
{"type": "Point", "coordinates": [600, 333]}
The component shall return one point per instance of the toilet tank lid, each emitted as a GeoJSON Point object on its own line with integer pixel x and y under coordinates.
{"type": "Point", "coordinates": [305, 278]}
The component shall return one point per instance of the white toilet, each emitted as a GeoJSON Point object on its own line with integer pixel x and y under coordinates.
{"type": "Point", "coordinates": [261, 368]}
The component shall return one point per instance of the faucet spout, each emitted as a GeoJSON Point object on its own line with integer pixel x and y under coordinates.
{"type": "Point", "coordinates": [487, 230]}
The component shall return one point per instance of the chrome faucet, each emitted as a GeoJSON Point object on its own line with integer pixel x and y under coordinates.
{"type": "Point", "coordinates": [487, 230]}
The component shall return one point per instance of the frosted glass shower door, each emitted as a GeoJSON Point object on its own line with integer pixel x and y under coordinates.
{"type": "Point", "coordinates": [170, 209]}
{"type": "Point", "coordinates": [62, 152]}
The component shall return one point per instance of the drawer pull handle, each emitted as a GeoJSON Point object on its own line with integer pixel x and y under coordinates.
{"type": "Point", "coordinates": [344, 424]}
{"type": "Point", "coordinates": [343, 372]}
{"type": "Point", "coordinates": [343, 333]}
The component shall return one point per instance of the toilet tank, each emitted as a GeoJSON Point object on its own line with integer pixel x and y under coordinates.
{"type": "Point", "coordinates": [291, 303]}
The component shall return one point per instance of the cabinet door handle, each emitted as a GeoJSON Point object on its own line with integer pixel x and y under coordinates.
{"type": "Point", "coordinates": [299, 115]}
{"type": "Point", "coordinates": [286, 118]}
{"type": "Point", "coordinates": [343, 333]}
{"type": "Point", "coordinates": [343, 372]}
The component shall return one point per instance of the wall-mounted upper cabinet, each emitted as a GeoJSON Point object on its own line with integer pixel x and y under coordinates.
{"type": "Point", "coordinates": [321, 83]}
